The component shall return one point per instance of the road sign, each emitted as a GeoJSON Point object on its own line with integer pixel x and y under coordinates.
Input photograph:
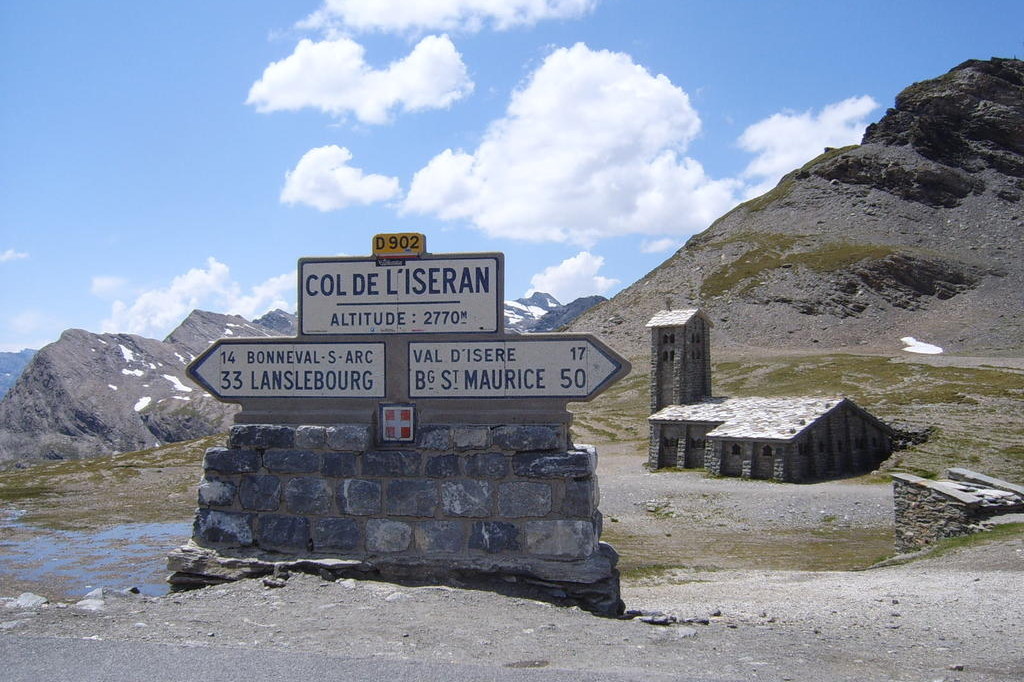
{"type": "Point", "coordinates": [573, 367]}
{"type": "Point", "coordinates": [267, 368]}
{"type": "Point", "coordinates": [432, 294]}
{"type": "Point", "coordinates": [399, 245]}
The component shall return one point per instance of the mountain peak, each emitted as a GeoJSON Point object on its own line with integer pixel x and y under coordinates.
{"type": "Point", "coordinates": [87, 393]}
{"type": "Point", "coordinates": [968, 118]}
{"type": "Point", "coordinates": [278, 320]}
{"type": "Point", "coordinates": [541, 312]}
{"type": "Point", "coordinates": [914, 232]}
{"type": "Point", "coordinates": [540, 300]}
{"type": "Point", "coordinates": [202, 327]}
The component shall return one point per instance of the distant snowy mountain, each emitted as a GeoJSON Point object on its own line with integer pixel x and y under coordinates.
{"type": "Point", "coordinates": [542, 312]}
{"type": "Point", "coordinates": [88, 394]}
{"type": "Point", "coordinates": [523, 314]}
{"type": "Point", "coordinates": [563, 315]}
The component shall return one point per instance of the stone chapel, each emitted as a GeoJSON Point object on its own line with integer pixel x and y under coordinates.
{"type": "Point", "coordinates": [783, 439]}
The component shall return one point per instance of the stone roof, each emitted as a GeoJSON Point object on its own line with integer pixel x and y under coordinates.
{"type": "Point", "coordinates": [971, 493]}
{"type": "Point", "coordinates": [674, 318]}
{"type": "Point", "coordinates": [752, 418]}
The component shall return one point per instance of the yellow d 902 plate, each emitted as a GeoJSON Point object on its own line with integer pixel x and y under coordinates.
{"type": "Point", "coordinates": [399, 244]}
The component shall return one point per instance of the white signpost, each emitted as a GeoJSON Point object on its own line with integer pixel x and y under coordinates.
{"type": "Point", "coordinates": [250, 368]}
{"type": "Point", "coordinates": [401, 372]}
{"type": "Point", "coordinates": [405, 298]}
{"type": "Point", "coordinates": [574, 367]}
{"type": "Point", "coordinates": [426, 295]}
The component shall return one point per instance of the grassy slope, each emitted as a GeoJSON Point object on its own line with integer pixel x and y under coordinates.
{"type": "Point", "coordinates": [149, 486]}
{"type": "Point", "coordinates": [978, 420]}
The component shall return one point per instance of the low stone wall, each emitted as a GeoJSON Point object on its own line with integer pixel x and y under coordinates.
{"type": "Point", "coordinates": [927, 511]}
{"type": "Point", "coordinates": [513, 502]}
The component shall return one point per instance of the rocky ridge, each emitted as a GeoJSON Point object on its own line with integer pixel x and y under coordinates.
{"type": "Point", "coordinates": [542, 312]}
{"type": "Point", "coordinates": [87, 393]}
{"type": "Point", "coordinates": [523, 314]}
{"type": "Point", "coordinates": [914, 232]}
{"type": "Point", "coordinates": [564, 315]}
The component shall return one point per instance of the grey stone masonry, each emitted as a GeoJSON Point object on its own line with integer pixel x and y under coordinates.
{"type": "Point", "coordinates": [680, 357]}
{"type": "Point", "coordinates": [927, 511]}
{"type": "Point", "coordinates": [461, 496]}
{"type": "Point", "coordinates": [372, 469]}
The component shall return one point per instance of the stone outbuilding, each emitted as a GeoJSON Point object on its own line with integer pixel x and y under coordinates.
{"type": "Point", "coordinates": [784, 439]}
{"type": "Point", "coordinates": [966, 502]}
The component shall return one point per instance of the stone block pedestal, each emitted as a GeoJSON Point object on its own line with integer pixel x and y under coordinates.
{"type": "Point", "coordinates": [470, 504]}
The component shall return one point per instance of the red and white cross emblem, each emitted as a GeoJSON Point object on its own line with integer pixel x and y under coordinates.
{"type": "Point", "coordinates": [397, 422]}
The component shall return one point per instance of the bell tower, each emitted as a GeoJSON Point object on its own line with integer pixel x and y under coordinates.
{"type": "Point", "coordinates": [680, 358]}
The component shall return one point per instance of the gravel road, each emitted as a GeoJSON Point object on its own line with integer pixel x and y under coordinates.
{"type": "Point", "coordinates": [957, 617]}
{"type": "Point", "coordinates": [738, 616]}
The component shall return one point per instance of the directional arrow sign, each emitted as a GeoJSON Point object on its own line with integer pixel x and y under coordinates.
{"type": "Point", "coordinates": [572, 367]}
{"type": "Point", "coordinates": [269, 368]}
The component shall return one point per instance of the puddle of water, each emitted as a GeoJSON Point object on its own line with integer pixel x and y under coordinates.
{"type": "Point", "coordinates": [7, 515]}
{"type": "Point", "coordinates": [74, 562]}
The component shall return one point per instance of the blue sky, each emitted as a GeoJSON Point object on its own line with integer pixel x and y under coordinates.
{"type": "Point", "coordinates": [161, 156]}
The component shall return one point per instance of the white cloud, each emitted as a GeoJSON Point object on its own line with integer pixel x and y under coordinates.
{"type": "Point", "coordinates": [590, 147]}
{"type": "Point", "coordinates": [16, 347]}
{"type": "Point", "coordinates": [786, 141]}
{"type": "Point", "coordinates": [31, 328]}
{"type": "Point", "coordinates": [444, 15]}
{"type": "Point", "coordinates": [276, 292]}
{"type": "Point", "coordinates": [106, 286]}
{"type": "Point", "coordinates": [572, 278]}
{"type": "Point", "coordinates": [11, 254]}
{"type": "Point", "coordinates": [29, 322]}
{"type": "Point", "coordinates": [333, 76]}
{"type": "Point", "coordinates": [323, 179]}
{"type": "Point", "coordinates": [157, 311]}
{"type": "Point", "coordinates": [659, 245]}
